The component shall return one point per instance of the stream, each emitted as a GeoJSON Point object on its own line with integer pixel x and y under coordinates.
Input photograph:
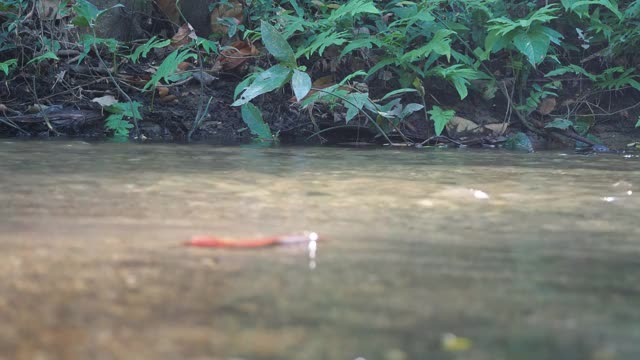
{"type": "Point", "coordinates": [423, 254]}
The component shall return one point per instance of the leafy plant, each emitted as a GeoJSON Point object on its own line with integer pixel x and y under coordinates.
{"type": "Point", "coordinates": [529, 36]}
{"type": "Point", "coordinates": [253, 118]}
{"type": "Point", "coordinates": [87, 13]}
{"type": "Point", "coordinates": [5, 66]}
{"type": "Point", "coordinates": [116, 121]}
{"type": "Point", "coordinates": [167, 71]}
{"type": "Point", "coordinates": [561, 124]}
{"type": "Point", "coordinates": [45, 56]}
{"type": "Point", "coordinates": [272, 78]}
{"type": "Point", "coordinates": [143, 50]}
{"type": "Point", "coordinates": [440, 118]}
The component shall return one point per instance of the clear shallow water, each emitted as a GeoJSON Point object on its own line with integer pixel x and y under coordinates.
{"type": "Point", "coordinates": [528, 256]}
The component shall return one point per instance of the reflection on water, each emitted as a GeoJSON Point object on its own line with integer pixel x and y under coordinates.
{"type": "Point", "coordinates": [523, 256]}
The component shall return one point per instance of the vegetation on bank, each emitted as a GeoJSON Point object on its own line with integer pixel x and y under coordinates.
{"type": "Point", "coordinates": [547, 67]}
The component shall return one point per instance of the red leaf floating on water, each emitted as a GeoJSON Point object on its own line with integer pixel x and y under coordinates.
{"type": "Point", "coordinates": [248, 243]}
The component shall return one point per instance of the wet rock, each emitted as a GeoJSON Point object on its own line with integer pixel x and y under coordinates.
{"type": "Point", "coordinates": [151, 130]}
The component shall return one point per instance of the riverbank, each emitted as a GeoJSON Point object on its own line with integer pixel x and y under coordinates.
{"type": "Point", "coordinates": [87, 77]}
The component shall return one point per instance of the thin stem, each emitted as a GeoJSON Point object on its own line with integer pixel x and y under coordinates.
{"type": "Point", "coordinates": [113, 80]}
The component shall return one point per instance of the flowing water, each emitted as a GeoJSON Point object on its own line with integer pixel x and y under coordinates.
{"type": "Point", "coordinates": [423, 254]}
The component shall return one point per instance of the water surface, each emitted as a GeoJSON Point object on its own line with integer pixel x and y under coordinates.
{"type": "Point", "coordinates": [526, 256]}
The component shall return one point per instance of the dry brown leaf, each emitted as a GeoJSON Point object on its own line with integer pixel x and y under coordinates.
{"type": "Point", "coordinates": [327, 81]}
{"type": "Point", "coordinates": [106, 100]}
{"type": "Point", "coordinates": [547, 105]}
{"type": "Point", "coordinates": [183, 66]}
{"type": "Point", "coordinates": [163, 91]}
{"type": "Point", "coordinates": [236, 55]}
{"type": "Point", "coordinates": [184, 35]}
{"type": "Point", "coordinates": [497, 129]}
{"type": "Point", "coordinates": [36, 108]}
{"type": "Point", "coordinates": [169, 98]}
{"type": "Point", "coordinates": [460, 126]}
{"type": "Point", "coordinates": [224, 11]}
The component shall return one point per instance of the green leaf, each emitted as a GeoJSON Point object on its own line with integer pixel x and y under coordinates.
{"type": "Point", "coordinates": [354, 103]}
{"type": "Point", "coordinates": [352, 8]}
{"type": "Point", "coordinates": [87, 13]}
{"type": "Point", "coordinates": [301, 84]}
{"type": "Point", "coordinates": [47, 55]}
{"type": "Point", "coordinates": [131, 109]}
{"type": "Point", "coordinates": [4, 66]}
{"type": "Point", "coordinates": [583, 124]}
{"type": "Point", "coordinates": [561, 124]}
{"type": "Point", "coordinates": [118, 125]}
{"type": "Point", "coordinates": [143, 50]}
{"type": "Point", "coordinates": [440, 118]}
{"type": "Point", "coordinates": [533, 45]}
{"type": "Point", "coordinates": [268, 80]}
{"type": "Point", "coordinates": [252, 116]}
{"type": "Point", "coordinates": [494, 42]}
{"type": "Point", "coordinates": [638, 123]}
{"type": "Point", "coordinates": [208, 46]}
{"type": "Point", "coordinates": [606, 3]}
{"type": "Point", "coordinates": [381, 64]}
{"type": "Point", "coordinates": [277, 45]}
{"type": "Point", "coordinates": [440, 44]}
{"type": "Point", "coordinates": [410, 109]}
{"type": "Point", "coordinates": [168, 68]}
{"type": "Point", "coordinates": [366, 43]}
{"type": "Point", "coordinates": [244, 84]}
{"type": "Point", "coordinates": [322, 41]}
{"type": "Point", "coordinates": [116, 121]}
{"type": "Point", "coordinates": [575, 69]}
{"type": "Point", "coordinates": [396, 92]}
{"type": "Point", "coordinates": [351, 76]}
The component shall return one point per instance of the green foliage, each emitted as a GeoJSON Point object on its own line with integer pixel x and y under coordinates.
{"type": "Point", "coordinates": [561, 124]}
{"type": "Point", "coordinates": [459, 75]}
{"type": "Point", "coordinates": [277, 45]}
{"type": "Point", "coordinates": [7, 65]}
{"type": "Point", "coordinates": [301, 84]}
{"type": "Point", "coordinates": [167, 70]}
{"type": "Point", "coordinates": [536, 95]}
{"type": "Point", "coordinates": [87, 13]}
{"type": "Point", "coordinates": [116, 121]}
{"type": "Point", "coordinates": [90, 41]}
{"type": "Point", "coordinates": [616, 78]}
{"type": "Point", "coordinates": [271, 79]}
{"type": "Point", "coordinates": [440, 118]}
{"type": "Point", "coordinates": [253, 118]}
{"type": "Point", "coordinates": [48, 55]}
{"type": "Point", "coordinates": [143, 50]}
{"type": "Point", "coordinates": [528, 50]}
{"type": "Point", "coordinates": [529, 36]}
{"type": "Point", "coordinates": [266, 81]}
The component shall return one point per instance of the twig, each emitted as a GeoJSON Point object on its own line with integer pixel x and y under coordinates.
{"type": "Point", "coordinates": [317, 133]}
{"type": "Point", "coordinates": [43, 112]}
{"type": "Point", "coordinates": [440, 137]}
{"type": "Point", "coordinates": [365, 114]}
{"type": "Point", "coordinates": [71, 89]}
{"type": "Point", "coordinates": [113, 80]}
{"type": "Point", "coordinates": [520, 116]}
